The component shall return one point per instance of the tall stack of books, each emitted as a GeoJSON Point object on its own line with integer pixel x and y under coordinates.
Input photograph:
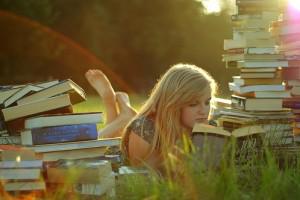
{"type": "Point", "coordinates": [287, 32]}
{"type": "Point", "coordinates": [258, 92]}
{"type": "Point", "coordinates": [20, 172]}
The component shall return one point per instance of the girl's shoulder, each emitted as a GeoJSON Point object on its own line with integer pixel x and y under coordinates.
{"type": "Point", "coordinates": [144, 127]}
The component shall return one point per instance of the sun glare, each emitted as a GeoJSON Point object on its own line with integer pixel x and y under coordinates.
{"type": "Point", "coordinates": [295, 4]}
{"type": "Point", "coordinates": [211, 6]}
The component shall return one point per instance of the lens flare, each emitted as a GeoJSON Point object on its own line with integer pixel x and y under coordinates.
{"type": "Point", "coordinates": [295, 4]}
{"type": "Point", "coordinates": [211, 6]}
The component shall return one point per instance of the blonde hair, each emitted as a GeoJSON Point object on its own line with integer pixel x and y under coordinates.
{"type": "Point", "coordinates": [180, 85]}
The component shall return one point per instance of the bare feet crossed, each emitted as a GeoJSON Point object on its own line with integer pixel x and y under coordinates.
{"type": "Point", "coordinates": [99, 82]}
{"type": "Point", "coordinates": [125, 109]}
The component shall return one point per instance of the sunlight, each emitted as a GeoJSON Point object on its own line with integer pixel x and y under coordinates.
{"type": "Point", "coordinates": [211, 6]}
{"type": "Point", "coordinates": [295, 4]}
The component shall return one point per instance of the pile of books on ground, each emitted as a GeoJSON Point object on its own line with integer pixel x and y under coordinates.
{"type": "Point", "coordinates": [259, 91]}
{"type": "Point", "coordinates": [287, 32]}
{"type": "Point", "coordinates": [40, 117]}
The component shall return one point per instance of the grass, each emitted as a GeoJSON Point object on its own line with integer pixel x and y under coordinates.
{"type": "Point", "coordinates": [255, 176]}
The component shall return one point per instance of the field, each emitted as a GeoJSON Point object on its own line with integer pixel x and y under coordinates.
{"type": "Point", "coordinates": [248, 176]}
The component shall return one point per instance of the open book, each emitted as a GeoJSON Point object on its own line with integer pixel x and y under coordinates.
{"type": "Point", "coordinates": [239, 132]}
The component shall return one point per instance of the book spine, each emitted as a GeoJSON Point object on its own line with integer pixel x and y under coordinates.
{"type": "Point", "coordinates": [10, 140]}
{"type": "Point", "coordinates": [68, 133]}
{"type": "Point", "coordinates": [2, 125]}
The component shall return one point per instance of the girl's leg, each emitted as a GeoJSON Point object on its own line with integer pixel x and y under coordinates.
{"type": "Point", "coordinates": [101, 84]}
{"type": "Point", "coordinates": [115, 128]}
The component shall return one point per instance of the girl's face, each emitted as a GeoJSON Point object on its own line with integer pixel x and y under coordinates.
{"type": "Point", "coordinates": [196, 112]}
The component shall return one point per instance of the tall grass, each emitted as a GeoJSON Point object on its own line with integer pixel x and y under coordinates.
{"type": "Point", "coordinates": [258, 177]}
{"type": "Point", "coordinates": [239, 175]}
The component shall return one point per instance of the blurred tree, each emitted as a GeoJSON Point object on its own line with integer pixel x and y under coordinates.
{"type": "Point", "coordinates": [137, 39]}
{"type": "Point", "coordinates": [41, 10]}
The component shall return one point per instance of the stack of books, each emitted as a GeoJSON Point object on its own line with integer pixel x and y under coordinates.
{"type": "Point", "coordinates": [259, 91]}
{"type": "Point", "coordinates": [41, 117]}
{"type": "Point", "coordinates": [8, 96]}
{"type": "Point", "coordinates": [287, 32]}
{"type": "Point", "coordinates": [29, 100]}
{"type": "Point", "coordinates": [20, 172]}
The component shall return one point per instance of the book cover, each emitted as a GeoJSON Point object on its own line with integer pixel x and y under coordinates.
{"type": "Point", "coordinates": [15, 126]}
{"type": "Point", "coordinates": [263, 63]}
{"type": "Point", "coordinates": [67, 86]}
{"type": "Point", "coordinates": [24, 186]}
{"type": "Point", "coordinates": [10, 139]}
{"type": "Point", "coordinates": [108, 142]}
{"type": "Point", "coordinates": [20, 174]}
{"type": "Point", "coordinates": [27, 90]}
{"type": "Point", "coordinates": [73, 154]}
{"type": "Point", "coordinates": [58, 134]}
{"type": "Point", "coordinates": [11, 164]}
{"type": "Point", "coordinates": [63, 119]}
{"type": "Point", "coordinates": [43, 105]}
{"type": "Point", "coordinates": [255, 104]}
{"type": "Point", "coordinates": [219, 131]}
{"type": "Point", "coordinates": [252, 88]}
{"type": "Point", "coordinates": [237, 80]}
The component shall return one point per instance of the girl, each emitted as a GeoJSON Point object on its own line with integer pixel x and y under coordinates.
{"type": "Point", "coordinates": [180, 99]}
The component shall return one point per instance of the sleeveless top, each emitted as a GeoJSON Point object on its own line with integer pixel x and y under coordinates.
{"type": "Point", "coordinates": [143, 127]}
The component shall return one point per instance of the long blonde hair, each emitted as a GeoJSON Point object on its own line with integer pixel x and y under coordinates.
{"type": "Point", "coordinates": [180, 85]}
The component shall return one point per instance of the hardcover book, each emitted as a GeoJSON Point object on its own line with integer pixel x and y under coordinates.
{"type": "Point", "coordinates": [68, 86]}
{"type": "Point", "coordinates": [252, 88]}
{"type": "Point", "coordinates": [43, 105]}
{"type": "Point", "coordinates": [255, 104]}
{"type": "Point", "coordinates": [63, 119]}
{"type": "Point", "coordinates": [20, 93]}
{"type": "Point", "coordinates": [58, 134]}
{"type": "Point", "coordinates": [15, 126]}
{"type": "Point", "coordinates": [76, 145]}
{"type": "Point", "coordinates": [24, 186]}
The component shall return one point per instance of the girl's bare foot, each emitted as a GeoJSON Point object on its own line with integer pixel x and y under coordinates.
{"type": "Point", "coordinates": [115, 128]}
{"type": "Point", "coordinates": [100, 83]}
{"type": "Point", "coordinates": [125, 109]}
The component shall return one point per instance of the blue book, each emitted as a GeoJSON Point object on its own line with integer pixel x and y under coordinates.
{"type": "Point", "coordinates": [59, 134]}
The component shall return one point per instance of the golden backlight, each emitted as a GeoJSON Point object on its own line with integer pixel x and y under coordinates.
{"type": "Point", "coordinates": [211, 6]}
{"type": "Point", "coordinates": [295, 4]}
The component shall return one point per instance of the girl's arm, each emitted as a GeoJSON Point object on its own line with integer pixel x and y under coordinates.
{"type": "Point", "coordinates": [138, 150]}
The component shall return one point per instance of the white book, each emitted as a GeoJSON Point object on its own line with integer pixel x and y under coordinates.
{"type": "Point", "coordinates": [245, 43]}
{"type": "Point", "coordinates": [257, 64]}
{"type": "Point", "coordinates": [76, 145]}
{"type": "Point", "coordinates": [21, 164]}
{"type": "Point", "coordinates": [20, 174]}
{"type": "Point", "coordinates": [262, 50]}
{"type": "Point", "coordinates": [252, 88]}
{"type": "Point", "coordinates": [24, 186]}
{"type": "Point", "coordinates": [63, 119]}
{"type": "Point", "coordinates": [272, 94]}
{"type": "Point", "coordinates": [20, 94]}
{"type": "Point", "coordinates": [240, 35]}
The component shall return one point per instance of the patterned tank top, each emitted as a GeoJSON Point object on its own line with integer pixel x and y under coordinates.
{"type": "Point", "coordinates": [143, 127]}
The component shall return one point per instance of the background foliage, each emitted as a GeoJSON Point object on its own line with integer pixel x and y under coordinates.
{"type": "Point", "coordinates": [136, 39]}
